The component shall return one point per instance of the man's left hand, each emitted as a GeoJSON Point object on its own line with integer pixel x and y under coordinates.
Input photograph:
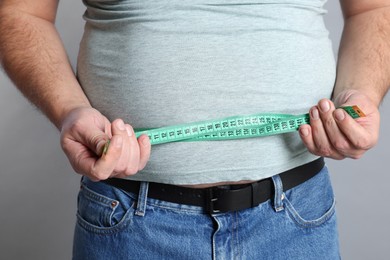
{"type": "Point", "coordinates": [334, 134]}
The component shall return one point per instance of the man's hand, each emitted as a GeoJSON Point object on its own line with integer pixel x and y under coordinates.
{"type": "Point", "coordinates": [333, 133]}
{"type": "Point", "coordinates": [84, 134]}
{"type": "Point", "coordinates": [363, 78]}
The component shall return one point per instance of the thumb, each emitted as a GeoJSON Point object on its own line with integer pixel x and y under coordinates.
{"type": "Point", "coordinates": [89, 136]}
{"type": "Point", "coordinates": [96, 142]}
{"type": "Point", "coordinates": [102, 146]}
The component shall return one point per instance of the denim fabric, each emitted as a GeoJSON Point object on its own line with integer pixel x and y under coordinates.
{"type": "Point", "coordinates": [299, 223]}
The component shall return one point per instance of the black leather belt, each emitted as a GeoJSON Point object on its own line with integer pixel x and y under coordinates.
{"type": "Point", "coordinates": [224, 198]}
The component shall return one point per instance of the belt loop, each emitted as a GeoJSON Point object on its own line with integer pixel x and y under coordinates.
{"type": "Point", "coordinates": [142, 198]}
{"type": "Point", "coordinates": [279, 195]}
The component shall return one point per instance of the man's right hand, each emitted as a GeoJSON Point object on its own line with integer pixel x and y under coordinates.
{"type": "Point", "coordinates": [84, 133]}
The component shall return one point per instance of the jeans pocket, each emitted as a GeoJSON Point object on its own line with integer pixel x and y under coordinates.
{"type": "Point", "coordinates": [312, 203]}
{"type": "Point", "coordinates": [102, 208]}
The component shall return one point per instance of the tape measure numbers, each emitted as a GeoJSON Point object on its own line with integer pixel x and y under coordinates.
{"type": "Point", "coordinates": [236, 127]}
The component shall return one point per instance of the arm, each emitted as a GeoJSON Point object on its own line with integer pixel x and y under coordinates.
{"type": "Point", "coordinates": [33, 56]}
{"type": "Point", "coordinates": [364, 55]}
{"type": "Point", "coordinates": [363, 78]}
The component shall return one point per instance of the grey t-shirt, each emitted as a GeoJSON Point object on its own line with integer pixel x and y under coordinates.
{"type": "Point", "coordinates": [156, 63]}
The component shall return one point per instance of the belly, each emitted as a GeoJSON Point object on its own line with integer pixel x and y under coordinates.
{"type": "Point", "coordinates": [158, 63]}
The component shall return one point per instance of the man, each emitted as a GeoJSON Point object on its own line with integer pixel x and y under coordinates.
{"type": "Point", "coordinates": [157, 64]}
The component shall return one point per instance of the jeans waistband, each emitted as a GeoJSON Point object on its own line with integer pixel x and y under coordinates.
{"type": "Point", "coordinates": [220, 199]}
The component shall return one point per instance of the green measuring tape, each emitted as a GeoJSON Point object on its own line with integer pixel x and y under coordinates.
{"type": "Point", "coordinates": [230, 128]}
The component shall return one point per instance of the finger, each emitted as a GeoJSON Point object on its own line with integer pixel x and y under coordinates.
{"type": "Point", "coordinates": [100, 145]}
{"type": "Point", "coordinates": [103, 168]}
{"type": "Point", "coordinates": [133, 149]}
{"type": "Point", "coordinates": [94, 139]}
{"type": "Point", "coordinates": [359, 137]}
{"type": "Point", "coordinates": [325, 110]}
{"type": "Point", "coordinates": [323, 146]}
{"type": "Point", "coordinates": [119, 129]}
{"type": "Point", "coordinates": [83, 159]}
{"type": "Point", "coordinates": [80, 156]}
{"type": "Point", "coordinates": [336, 137]}
{"type": "Point", "coordinates": [98, 169]}
{"type": "Point", "coordinates": [145, 150]}
{"type": "Point", "coordinates": [320, 139]}
{"type": "Point", "coordinates": [307, 138]}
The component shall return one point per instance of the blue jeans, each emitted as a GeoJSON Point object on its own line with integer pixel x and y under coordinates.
{"type": "Point", "coordinates": [299, 223]}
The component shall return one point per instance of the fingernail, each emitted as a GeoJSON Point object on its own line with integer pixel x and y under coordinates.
{"type": "Point", "coordinates": [304, 131]}
{"type": "Point", "coordinates": [314, 114]}
{"type": "Point", "coordinates": [121, 125]}
{"type": "Point", "coordinates": [324, 105]}
{"type": "Point", "coordinates": [339, 114]}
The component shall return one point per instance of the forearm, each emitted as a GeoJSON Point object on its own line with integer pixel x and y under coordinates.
{"type": "Point", "coordinates": [33, 56]}
{"type": "Point", "coordinates": [364, 55]}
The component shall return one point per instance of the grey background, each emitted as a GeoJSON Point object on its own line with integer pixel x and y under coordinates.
{"type": "Point", "coordinates": [38, 188]}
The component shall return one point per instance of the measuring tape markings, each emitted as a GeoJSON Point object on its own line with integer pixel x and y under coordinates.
{"type": "Point", "coordinates": [236, 127]}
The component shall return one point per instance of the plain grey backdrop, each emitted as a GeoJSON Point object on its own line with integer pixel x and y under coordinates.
{"type": "Point", "coordinates": [38, 188]}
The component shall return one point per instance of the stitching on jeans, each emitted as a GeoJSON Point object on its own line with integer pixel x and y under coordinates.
{"type": "Point", "coordinates": [99, 198]}
{"type": "Point", "coordinates": [310, 223]}
{"type": "Point", "coordinates": [233, 230]}
{"type": "Point", "coordinates": [96, 197]}
{"type": "Point", "coordinates": [214, 237]}
{"type": "Point", "coordinates": [192, 211]}
{"type": "Point", "coordinates": [126, 220]}
{"type": "Point", "coordinates": [237, 236]}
